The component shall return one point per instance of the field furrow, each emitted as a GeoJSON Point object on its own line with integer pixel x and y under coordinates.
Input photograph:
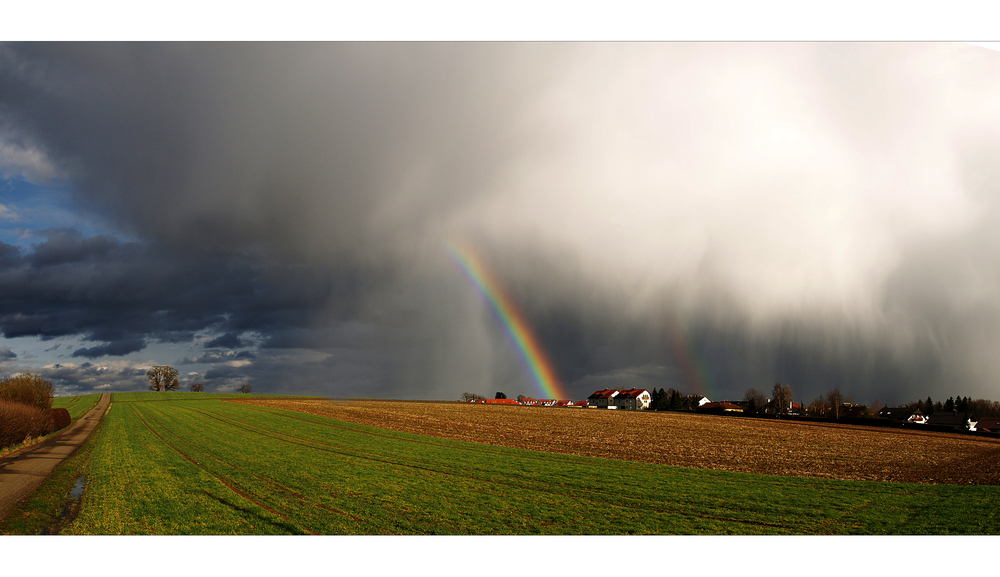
{"type": "Point", "coordinates": [205, 466]}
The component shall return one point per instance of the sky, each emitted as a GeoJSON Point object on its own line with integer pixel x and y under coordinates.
{"type": "Point", "coordinates": [707, 216]}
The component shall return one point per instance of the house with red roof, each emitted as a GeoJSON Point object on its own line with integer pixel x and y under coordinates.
{"type": "Point", "coordinates": [628, 399]}
{"type": "Point", "coordinates": [582, 404]}
{"type": "Point", "coordinates": [721, 406]}
{"type": "Point", "coordinates": [988, 424]}
{"type": "Point", "coordinates": [603, 399]}
{"type": "Point", "coordinates": [633, 399]}
{"type": "Point", "coordinates": [501, 402]}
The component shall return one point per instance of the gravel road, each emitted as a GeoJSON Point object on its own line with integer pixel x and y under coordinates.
{"type": "Point", "coordinates": [23, 472]}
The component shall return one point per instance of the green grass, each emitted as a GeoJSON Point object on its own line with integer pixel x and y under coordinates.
{"type": "Point", "coordinates": [209, 467]}
{"type": "Point", "coordinates": [77, 405]}
{"type": "Point", "coordinates": [147, 396]}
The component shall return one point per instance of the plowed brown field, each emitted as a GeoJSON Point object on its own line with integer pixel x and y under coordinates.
{"type": "Point", "coordinates": [803, 449]}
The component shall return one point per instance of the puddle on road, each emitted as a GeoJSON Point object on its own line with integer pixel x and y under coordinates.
{"type": "Point", "coordinates": [71, 508]}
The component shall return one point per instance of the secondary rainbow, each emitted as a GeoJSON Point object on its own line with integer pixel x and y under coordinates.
{"type": "Point", "coordinates": [511, 318]}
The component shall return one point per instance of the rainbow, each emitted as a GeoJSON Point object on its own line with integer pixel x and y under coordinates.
{"type": "Point", "coordinates": [692, 365]}
{"type": "Point", "coordinates": [511, 318]}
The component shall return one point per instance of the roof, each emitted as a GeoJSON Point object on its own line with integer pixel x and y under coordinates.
{"type": "Point", "coordinates": [950, 418]}
{"type": "Point", "coordinates": [604, 394]}
{"type": "Point", "coordinates": [899, 413]}
{"type": "Point", "coordinates": [632, 393]}
{"type": "Point", "coordinates": [991, 423]}
{"type": "Point", "coordinates": [723, 405]}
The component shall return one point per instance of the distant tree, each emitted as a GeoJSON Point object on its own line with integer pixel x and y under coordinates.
{"type": "Point", "coordinates": [246, 388]}
{"type": "Point", "coordinates": [500, 395]}
{"type": "Point", "coordinates": [197, 388]}
{"type": "Point", "coordinates": [162, 378]}
{"type": "Point", "coordinates": [834, 399]}
{"type": "Point", "coordinates": [660, 400]}
{"type": "Point", "coordinates": [949, 405]}
{"type": "Point", "coordinates": [962, 404]}
{"type": "Point", "coordinates": [876, 408]}
{"type": "Point", "coordinates": [520, 398]}
{"type": "Point", "coordinates": [817, 408]}
{"type": "Point", "coordinates": [781, 397]}
{"type": "Point", "coordinates": [928, 407]}
{"type": "Point", "coordinates": [755, 399]}
{"type": "Point", "coordinates": [676, 401]}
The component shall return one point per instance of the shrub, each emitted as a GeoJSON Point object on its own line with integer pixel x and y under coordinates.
{"type": "Point", "coordinates": [18, 422]}
{"type": "Point", "coordinates": [60, 419]}
{"type": "Point", "coordinates": [27, 389]}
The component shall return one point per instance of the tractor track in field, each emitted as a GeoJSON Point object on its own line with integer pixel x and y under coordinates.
{"type": "Point", "coordinates": [225, 481]}
{"type": "Point", "coordinates": [302, 498]}
{"type": "Point", "coordinates": [592, 496]}
{"type": "Point", "coordinates": [834, 451]}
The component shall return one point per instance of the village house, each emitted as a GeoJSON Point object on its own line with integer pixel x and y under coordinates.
{"type": "Point", "coordinates": [603, 399]}
{"type": "Point", "coordinates": [633, 399]}
{"type": "Point", "coordinates": [953, 419]}
{"type": "Point", "coordinates": [721, 406]}
{"type": "Point", "coordinates": [988, 425]}
{"type": "Point", "coordinates": [629, 399]}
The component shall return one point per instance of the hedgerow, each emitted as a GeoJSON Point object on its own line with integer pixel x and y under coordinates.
{"type": "Point", "coordinates": [27, 389]}
{"type": "Point", "coordinates": [20, 423]}
{"type": "Point", "coordinates": [25, 408]}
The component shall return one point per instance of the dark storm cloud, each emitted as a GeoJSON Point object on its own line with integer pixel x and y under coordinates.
{"type": "Point", "coordinates": [229, 340]}
{"type": "Point", "coordinates": [714, 215]}
{"type": "Point", "coordinates": [6, 353]}
{"type": "Point", "coordinates": [124, 294]}
{"type": "Point", "coordinates": [115, 349]}
{"type": "Point", "coordinates": [217, 357]}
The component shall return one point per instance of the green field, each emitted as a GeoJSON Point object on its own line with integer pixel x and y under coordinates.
{"type": "Point", "coordinates": [206, 466]}
{"type": "Point", "coordinates": [77, 405]}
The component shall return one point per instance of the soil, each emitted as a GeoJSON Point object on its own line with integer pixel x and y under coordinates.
{"type": "Point", "coordinates": [748, 445]}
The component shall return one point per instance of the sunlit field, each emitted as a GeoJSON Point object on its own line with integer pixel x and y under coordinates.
{"type": "Point", "coordinates": [207, 466]}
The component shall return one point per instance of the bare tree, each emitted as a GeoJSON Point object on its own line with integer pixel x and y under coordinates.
{"type": "Point", "coordinates": [246, 388]}
{"type": "Point", "coordinates": [818, 407]}
{"type": "Point", "coordinates": [835, 399]}
{"type": "Point", "coordinates": [163, 378]}
{"type": "Point", "coordinates": [782, 395]}
{"type": "Point", "coordinates": [755, 399]}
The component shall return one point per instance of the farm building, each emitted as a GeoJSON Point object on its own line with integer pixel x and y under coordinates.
{"type": "Point", "coordinates": [582, 404]}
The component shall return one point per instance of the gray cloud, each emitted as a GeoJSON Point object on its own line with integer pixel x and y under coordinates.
{"type": "Point", "coordinates": [715, 215]}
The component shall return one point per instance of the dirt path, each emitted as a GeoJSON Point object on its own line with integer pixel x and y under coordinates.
{"type": "Point", "coordinates": [23, 472]}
